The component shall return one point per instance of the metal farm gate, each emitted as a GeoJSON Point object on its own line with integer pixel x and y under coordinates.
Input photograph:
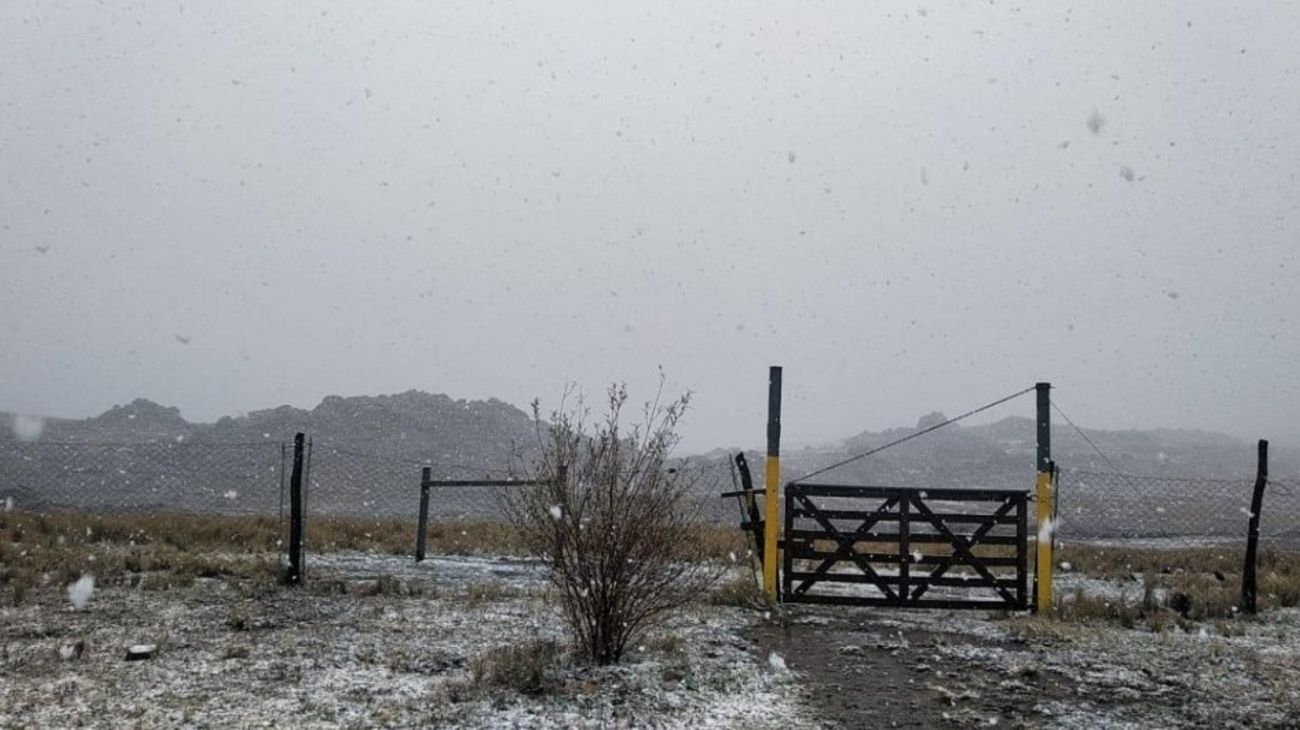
{"type": "Point", "coordinates": [905, 547]}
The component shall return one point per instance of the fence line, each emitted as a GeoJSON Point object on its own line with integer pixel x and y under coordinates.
{"type": "Point", "coordinates": [249, 478]}
{"type": "Point", "coordinates": [1180, 511]}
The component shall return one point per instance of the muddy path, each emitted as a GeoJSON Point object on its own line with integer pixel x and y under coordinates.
{"type": "Point", "coordinates": [865, 672]}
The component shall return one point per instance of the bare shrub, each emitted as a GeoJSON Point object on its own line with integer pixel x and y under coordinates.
{"type": "Point", "coordinates": [613, 522]}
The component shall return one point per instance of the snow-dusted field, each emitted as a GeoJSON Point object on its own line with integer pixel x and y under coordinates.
{"type": "Point", "coordinates": [345, 652]}
{"type": "Point", "coordinates": [374, 640]}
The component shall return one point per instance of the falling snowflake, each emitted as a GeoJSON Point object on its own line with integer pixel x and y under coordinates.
{"type": "Point", "coordinates": [28, 428]}
{"type": "Point", "coordinates": [1045, 530]}
{"type": "Point", "coordinates": [79, 593]}
{"type": "Point", "coordinates": [1095, 122]}
{"type": "Point", "coordinates": [231, 494]}
{"type": "Point", "coordinates": [556, 512]}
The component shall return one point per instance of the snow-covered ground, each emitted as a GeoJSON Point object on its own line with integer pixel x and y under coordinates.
{"type": "Point", "coordinates": [377, 640]}
{"type": "Point", "coordinates": [348, 650]}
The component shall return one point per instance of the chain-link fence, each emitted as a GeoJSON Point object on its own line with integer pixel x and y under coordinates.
{"type": "Point", "coordinates": [348, 483]}
{"type": "Point", "coordinates": [1172, 510]}
{"type": "Point", "coordinates": [153, 476]}
{"type": "Point", "coordinates": [251, 479]}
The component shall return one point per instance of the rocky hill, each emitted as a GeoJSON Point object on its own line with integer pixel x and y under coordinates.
{"type": "Point", "coordinates": [368, 452]}
{"type": "Point", "coordinates": [412, 425]}
{"type": "Point", "coordinates": [366, 457]}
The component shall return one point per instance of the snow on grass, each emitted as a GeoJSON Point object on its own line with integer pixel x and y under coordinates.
{"type": "Point", "coordinates": [372, 640]}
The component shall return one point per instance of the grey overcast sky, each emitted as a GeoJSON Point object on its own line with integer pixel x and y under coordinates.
{"type": "Point", "coordinates": [912, 207]}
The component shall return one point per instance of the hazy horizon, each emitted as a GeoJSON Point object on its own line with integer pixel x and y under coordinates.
{"type": "Point", "coordinates": [1058, 424]}
{"type": "Point", "coordinates": [910, 208]}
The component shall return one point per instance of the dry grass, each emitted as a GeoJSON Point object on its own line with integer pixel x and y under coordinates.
{"type": "Point", "coordinates": [524, 667]}
{"type": "Point", "coordinates": [739, 590]}
{"type": "Point", "coordinates": [491, 591]}
{"type": "Point", "coordinates": [45, 551]}
{"type": "Point", "coordinates": [1180, 587]}
{"type": "Point", "coordinates": [48, 551]}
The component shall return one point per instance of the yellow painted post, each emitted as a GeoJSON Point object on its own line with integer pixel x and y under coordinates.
{"type": "Point", "coordinates": [1046, 497]}
{"type": "Point", "coordinates": [772, 485]}
{"type": "Point", "coordinates": [1044, 542]}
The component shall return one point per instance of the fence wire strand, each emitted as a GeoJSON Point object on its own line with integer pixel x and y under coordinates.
{"type": "Point", "coordinates": [1177, 511]}
{"type": "Point", "coordinates": [250, 479]}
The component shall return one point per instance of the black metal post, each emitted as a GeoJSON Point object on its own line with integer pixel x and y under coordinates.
{"type": "Point", "coordinates": [1249, 592]}
{"type": "Point", "coordinates": [1022, 551]}
{"type": "Point", "coordinates": [295, 511]}
{"type": "Point", "coordinates": [426, 475]}
{"type": "Point", "coordinates": [1044, 392]}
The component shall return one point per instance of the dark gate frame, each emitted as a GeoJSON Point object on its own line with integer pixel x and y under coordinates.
{"type": "Point", "coordinates": [908, 507]}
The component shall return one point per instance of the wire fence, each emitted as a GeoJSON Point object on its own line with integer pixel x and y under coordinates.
{"type": "Point", "coordinates": [1174, 511]}
{"type": "Point", "coordinates": [250, 479]}
{"type": "Point", "coordinates": [152, 476]}
{"type": "Point", "coordinates": [179, 477]}
{"type": "Point", "coordinates": [347, 483]}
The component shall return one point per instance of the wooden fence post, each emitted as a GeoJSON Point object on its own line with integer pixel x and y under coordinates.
{"type": "Point", "coordinates": [426, 476]}
{"type": "Point", "coordinates": [1044, 495]}
{"type": "Point", "coordinates": [1249, 592]}
{"type": "Point", "coordinates": [295, 512]}
{"type": "Point", "coordinates": [772, 485]}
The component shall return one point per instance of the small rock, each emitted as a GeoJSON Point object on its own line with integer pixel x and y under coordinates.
{"type": "Point", "coordinates": [72, 651]}
{"type": "Point", "coordinates": [140, 652]}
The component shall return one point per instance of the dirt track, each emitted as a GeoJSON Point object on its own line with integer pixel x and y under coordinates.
{"type": "Point", "coordinates": [862, 674]}
{"type": "Point", "coordinates": [921, 669]}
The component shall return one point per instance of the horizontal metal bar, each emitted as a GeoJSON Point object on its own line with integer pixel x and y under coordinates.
{"type": "Point", "coordinates": [949, 582]}
{"type": "Point", "coordinates": [743, 492]}
{"type": "Point", "coordinates": [483, 483]}
{"type": "Point", "coordinates": [802, 551]}
{"type": "Point", "coordinates": [945, 495]}
{"type": "Point", "coordinates": [892, 537]}
{"type": "Point", "coordinates": [922, 603]}
{"type": "Point", "coordinates": [959, 518]}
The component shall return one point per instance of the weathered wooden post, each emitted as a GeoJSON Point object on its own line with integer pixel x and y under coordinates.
{"type": "Point", "coordinates": [295, 512]}
{"type": "Point", "coordinates": [772, 483]}
{"type": "Point", "coordinates": [1043, 544]}
{"type": "Point", "coordinates": [426, 478]}
{"type": "Point", "coordinates": [1249, 591]}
